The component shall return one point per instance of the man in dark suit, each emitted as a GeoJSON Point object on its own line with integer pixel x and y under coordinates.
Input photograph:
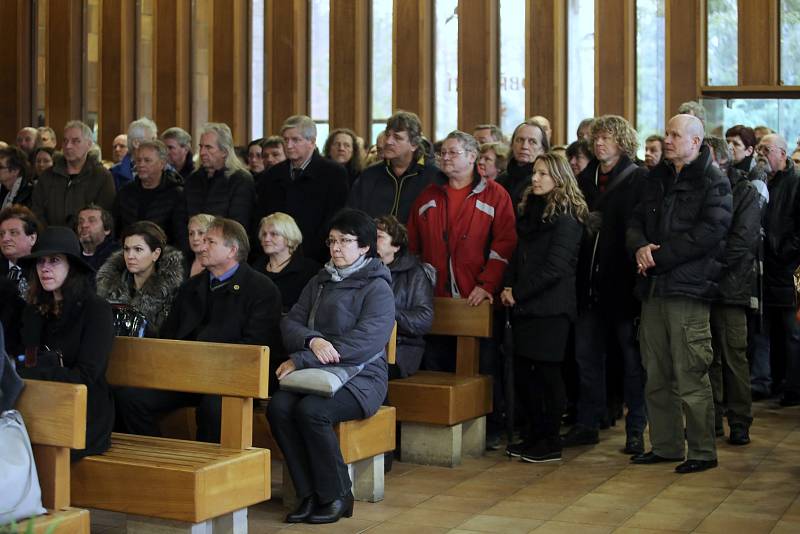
{"type": "Point", "coordinates": [307, 186]}
{"type": "Point", "coordinates": [227, 303]}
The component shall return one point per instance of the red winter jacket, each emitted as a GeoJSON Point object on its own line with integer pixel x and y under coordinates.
{"type": "Point", "coordinates": [477, 250]}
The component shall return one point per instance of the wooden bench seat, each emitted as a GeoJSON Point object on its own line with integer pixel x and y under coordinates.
{"type": "Point", "coordinates": [197, 484]}
{"type": "Point", "coordinates": [55, 417]}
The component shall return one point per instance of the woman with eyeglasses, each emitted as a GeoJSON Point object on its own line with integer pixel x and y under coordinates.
{"type": "Point", "coordinates": [344, 319]}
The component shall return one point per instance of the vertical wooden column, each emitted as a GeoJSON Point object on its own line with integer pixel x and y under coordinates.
{"type": "Point", "coordinates": [546, 64]}
{"type": "Point", "coordinates": [412, 52]}
{"type": "Point", "coordinates": [615, 58]}
{"type": "Point", "coordinates": [684, 54]}
{"type": "Point", "coordinates": [64, 62]}
{"type": "Point", "coordinates": [285, 62]}
{"type": "Point", "coordinates": [16, 62]}
{"type": "Point", "coordinates": [759, 41]}
{"type": "Point", "coordinates": [172, 37]}
{"type": "Point", "coordinates": [229, 70]}
{"type": "Point", "coordinates": [117, 66]}
{"type": "Point", "coordinates": [478, 63]}
{"type": "Point", "coordinates": [349, 65]}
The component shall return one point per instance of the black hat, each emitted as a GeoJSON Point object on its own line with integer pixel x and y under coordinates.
{"type": "Point", "coordinates": [58, 240]}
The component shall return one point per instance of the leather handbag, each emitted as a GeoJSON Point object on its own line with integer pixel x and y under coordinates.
{"type": "Point", "coordinates": [21, 496]}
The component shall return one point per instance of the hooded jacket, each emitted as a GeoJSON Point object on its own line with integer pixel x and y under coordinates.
{"type": "Point", "coordinates": [154, 298]}
{"type": "Point", "coordinates": [356, 316]}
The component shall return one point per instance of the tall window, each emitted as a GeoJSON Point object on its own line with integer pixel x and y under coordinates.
{"type": "Point", "coordinates": [381, 67]}
{"type": "Point", "coordinates": [790, 42]}
{"type": "Point", "coordinates": [650, 69]}
{"type": "Point", "coordinates": [144, 60]}
{"type": "Point", "coordinates": [782, 115]}
{"type": "Point", "coordinates": [201, 49]}
{"type": "Point", "coordinates": [256, 69]}
{"type": "Point", "coordinates": [512, 64]}
{"type": "Point", "coordinates": [41, 62]}
{"type": "Point", "coordinates": [320, 67]}
{"type": "Point", "coordinates": [446, 73]}
{"type": "Point", "coordinates": [91, 64]}
{"type": "Point", "coordinates": [580, 63]}
{"type": "Point", "coordinates": [723, 37]}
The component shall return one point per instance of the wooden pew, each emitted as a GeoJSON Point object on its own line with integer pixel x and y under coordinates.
{"type": "Point", "coordinates": [443, 415]}
{"type": "Point", "coordinates": [55, 417]}
{"type": "Point", "coordinates": [178, 485]}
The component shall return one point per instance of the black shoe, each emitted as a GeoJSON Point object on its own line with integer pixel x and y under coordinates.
{"type": "Point", "coordinates": [514, 450]}
{"type": "Point", "coordinates": [333, 511]}
{"type": "Point", "coordinates": [303, 511]}
{"type": "Point", "coordinates": [649, 458]}
{"type": "Point", "coordinates": [695, 466]}
{"type": "Point", "coordinates": [740, 435]}
{"type": "Point", "coordinates": [634, 444]}
{"type": "Point", "coordinates": [541, 451]}
{"type": "Point", "coordinates": [580, 435]}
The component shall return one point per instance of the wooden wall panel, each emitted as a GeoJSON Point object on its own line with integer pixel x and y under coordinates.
{"type": "Point", "coordinates": [412, 51]}
{"type": "Point", "coordinates": [615, 58]}
{"type": "Point", "coordinates": [229, 67]}
{"type": "Point", "coordinates": [759, 36]}
{"type": "Point", "coordinates": [546, 64]}
{"type": "Point", "coordinates": [172, 96]}
{"type": "Point", "coordinates": [117, 66]}
{"type": "Point", "coordinates": [349, 66]}
{"type": "Point", "coordinates": [285, 62]}
{"type": "Point", "coordinates": [16, 62]}
{"type": "Point", "coordinates": [478, 63]}
{"type": "Point", "coordinates": [684, 53]}
{"type": "Point", "coordinates": [64, 63]}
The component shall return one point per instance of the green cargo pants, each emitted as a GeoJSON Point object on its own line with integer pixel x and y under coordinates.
{"type": "Point", "coordinates": [730, 372]}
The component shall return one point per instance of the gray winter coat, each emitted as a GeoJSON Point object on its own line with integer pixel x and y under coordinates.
{"type": "Point", "coordinates": [154, 299]}
{"type": "Point", "coordinates": [356, 316]}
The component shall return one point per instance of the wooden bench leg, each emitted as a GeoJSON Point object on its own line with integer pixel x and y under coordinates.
{"type": "Point", "coordinates": [367, 478]}
{"type": "Point", "coordinates": [473, 437]}
{"type": "Point", "coordinates": [421, 443]}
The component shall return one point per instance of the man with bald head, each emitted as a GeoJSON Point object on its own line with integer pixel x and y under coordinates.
{"type": "Point", "coordinates": [781, 259]}
{"type": "Point", "coordinates": [26, 139]}
{"type": "Point", "coordinates": [677, 235]}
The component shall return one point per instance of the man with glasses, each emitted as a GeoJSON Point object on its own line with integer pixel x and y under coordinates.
{"type": "Point", "coordinates": [781, 259]}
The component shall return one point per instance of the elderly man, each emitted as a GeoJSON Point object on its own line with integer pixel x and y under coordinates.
{"type": "Point", "coordinates": [154, 195]}
{"type": "Point", "coordinates": [545, 123]}
{"type": "Point", "coordinates": [229, 302]}
{"type": "Point", "coordinates": [488, 133]}
{"type": "Point", "coordinates": [95, 229]}
{"type": "Point", "coordinates": [73, 181]}
{"type": "Point", "coordinates": [391, 186]}
{"type": "Point", "coordinates": [26, 139]}
{"type": "Point", "coordinates": [781, 259]}
{"type": "Point", "coordinates": [677, 234]}
{"type": "Point", "coordinates": [15, 184]}
{"type": "Point", "coordinates": [222, 186]}
{"type": "Point", "coordinates": [307, 186]}
{"type": "Point", "coordinates": [46, 137]}
{"type": "Point", "coordinates": [527, 142]}
{"type": "Point", "coordinates": [179, 151]}
{"type": "Point", "coordinates": [119, 148]}
{"type": "Point", "coordinates": [139, 130]}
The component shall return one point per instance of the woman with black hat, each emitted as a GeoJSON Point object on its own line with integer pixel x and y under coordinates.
{"type": "Point", "coordinates": [68, 330]}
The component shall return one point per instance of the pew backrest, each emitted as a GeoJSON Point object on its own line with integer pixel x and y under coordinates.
{"type": "Point", "coordinates": [455, 317]}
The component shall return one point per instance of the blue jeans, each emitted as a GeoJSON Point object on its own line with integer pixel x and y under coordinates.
{"type": "Point", "coordinates": [780, 326]}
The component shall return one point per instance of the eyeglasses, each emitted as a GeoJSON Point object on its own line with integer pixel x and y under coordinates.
{"type": "Point", "coordinates": [343, 242]}
{"type": "Point", "coordinates": [451, 153]}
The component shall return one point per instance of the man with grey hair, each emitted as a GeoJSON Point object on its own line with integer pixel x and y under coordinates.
{"type": "Point", "coordinates": [119, 148]}
{"type": "Point", "coordinates": [528, 142]}
{"type": "Point", "coordinates": [179, 151]}
{"type": "Point", "coordinates": [139, 130]}
{"type": "Point", "coordinates": [26, 139]}
{"type": "Point", "coordinates": [74, 180]}
{"type": "Point", "coordinates": [693, 108]}
{"type": "Point", "coordinates": [677, 236]}
{"type": "Point", "coordinates": [222, 186]}
{"type": "Point", "coordinates": [307, 186]}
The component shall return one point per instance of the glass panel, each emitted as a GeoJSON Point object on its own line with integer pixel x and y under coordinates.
{"type": "Point", "coordinates": [320, 66]}
{"type": "Point", "coordinates": [201, 47]}
{"type": "Point", "coordinates": [446, 73]}
{"type": "Point", "coordinates": [91, 65]}
{"type": "Point", "coordinates": [512, 64]}
{"type": "Point", "coordinates": [650, 69]}
{"type": "Point", "coordinates": [257, 69]}
{"type": "Point", "coordinates": [790, 42]}
{"type": "Point", "coordinates": [580, 63]}
{"type": "Point", "coordinates": [144, 61]}
{"type": "Point", "coordinates": [377, 128]}
{"type": "Point", "coordinates": [382, 13]}
{"type": "Point", "coordinates": [723, 38]}
{"type": "Point", "coordinates": [782, 115]}
{"type": "Point", "coordinates": [41, 63]}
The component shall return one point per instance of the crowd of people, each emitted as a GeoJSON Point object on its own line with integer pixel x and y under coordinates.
{"type": "Point", "coordinates": [659, 289]}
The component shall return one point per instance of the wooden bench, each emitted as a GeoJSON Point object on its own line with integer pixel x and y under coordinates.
{"type": "Point", "coordinates": [443, 415]}
{"type": "Point", "coordinates": [179, 485]}
{"type": "Point", "coordinates": [55, 417]}
{"type": "Point", "coordinates": [363, 443]}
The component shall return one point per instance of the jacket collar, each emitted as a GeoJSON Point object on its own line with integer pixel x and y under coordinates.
{"type": "Point", "coordinates": [478, 183]}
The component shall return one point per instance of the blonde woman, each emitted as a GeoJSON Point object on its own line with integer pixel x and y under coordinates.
{"type": "Point", "coordinates": [198, 226]}
{"type": "Point", "coordinates": [540, 288]}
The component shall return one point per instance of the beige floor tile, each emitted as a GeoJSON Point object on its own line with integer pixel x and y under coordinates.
{"type": "Point", "coordinates": [528, 510]}
{"type": "Point", "coordinates": [594, 516]}
{"type": "Point", "coordinates": [400, 528]}
{"type": "Point", "coordinates": [640, 530]}
{"type": "Point", "coordinates": [786, 527]}
{"type": "Point", "coordinates": [676, 521]}
{"type": "Point", "coordinates": [378, 511]}
{"type": "Point", "coordinates": [404, 498]}
{"type": "Point", "coordinates": [343, 526]}
{"type": "Point", "coordinates": [431, 518]}
{"type": "Point", "coordinates": [726, 522]}
{"type": "Point", "coordinates": [509, 525]}
{"type": "Point", "coordinates": [480, 489]}
{"type": "Point", "coordinates": [459, 504]}
{"type": "Point", "coordinates": [668, 505]}
{"type": "Point", "coordinates": [560, 527]}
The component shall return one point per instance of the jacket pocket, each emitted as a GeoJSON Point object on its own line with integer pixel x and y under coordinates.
{"type": "Point", "coordinates": [698, 347]}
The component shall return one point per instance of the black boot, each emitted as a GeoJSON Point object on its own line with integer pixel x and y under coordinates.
{"type": "Point", "coordinates": [303, 511]}
{"type": "Point", "coordinates": [333, 511]}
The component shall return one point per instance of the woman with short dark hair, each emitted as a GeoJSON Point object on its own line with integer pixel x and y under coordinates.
{"type": "Point", "coordinates": [343, 148]}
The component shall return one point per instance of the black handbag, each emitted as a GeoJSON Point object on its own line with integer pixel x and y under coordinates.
{"type": "Point", "coordinates": [128, 321]}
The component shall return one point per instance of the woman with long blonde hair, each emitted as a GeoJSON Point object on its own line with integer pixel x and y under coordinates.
{"type": "Point", "coordinates": [540, 289]}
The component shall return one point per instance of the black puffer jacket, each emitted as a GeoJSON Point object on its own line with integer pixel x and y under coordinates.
{"type": "Point", "coordinates": [542, 272]}
{"type": "Point", "coordinates": [737, 284]}
{"type": "Point", "coordinates": [412, 284]}
{"type": "Point", "coordinates": [688, 215]}
{"type": "Point", "coordinates": [782, 236]}
{"type": "Point", "coordinates": [165, 205]}
{"type": "Point", "coordinates": [232, 196]}
{"type": "Point", "coordinates": [516, 180]}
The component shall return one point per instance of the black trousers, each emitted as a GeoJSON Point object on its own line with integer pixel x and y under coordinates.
{"type": "Point", "coordinates": [303, 427]}
{"type": "Point", "coordinates": [541, 392]}
{"type": "Point", "coordinates": [140, 410]}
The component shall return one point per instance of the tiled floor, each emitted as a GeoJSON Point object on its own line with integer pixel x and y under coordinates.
{"type": "Point", "coordinates": [592, 490]}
